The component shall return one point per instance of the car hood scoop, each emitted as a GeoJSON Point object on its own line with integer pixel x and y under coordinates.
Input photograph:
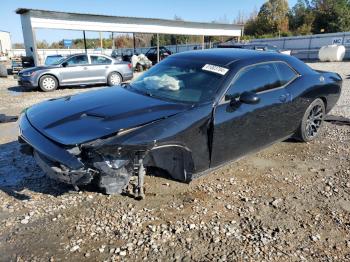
{"type": "Point", "coordinates": [85, 117]}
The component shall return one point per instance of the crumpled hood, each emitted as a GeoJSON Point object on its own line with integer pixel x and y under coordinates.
{"type": "Point", "coordinates": [85, 117]}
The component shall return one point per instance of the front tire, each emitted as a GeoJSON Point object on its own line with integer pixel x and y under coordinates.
{"type": "Point", "coordinates": [114, 79]}
{"type": "Point", "coordinates": [48, 83]}
{"type": "Point", "coordinates": [312, 121]}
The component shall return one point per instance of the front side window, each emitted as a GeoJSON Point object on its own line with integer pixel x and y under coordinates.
{"type": "Point", "coordinates": [262, 77]}
{"type": "Point", "coordinates": [255, 78]}
{"type": "Point", "coordinates": [77, 60]}
{"type": "Point", "coordinates": [99, 60]}
{"type": "Point", "coordinates": [179, 80]}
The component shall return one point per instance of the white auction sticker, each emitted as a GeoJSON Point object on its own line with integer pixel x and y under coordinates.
{"type": "Point", "coordinates": [215, 69]}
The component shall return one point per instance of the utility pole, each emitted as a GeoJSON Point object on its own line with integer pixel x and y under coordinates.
{"type": "Point", "coordinates": [158, 48]}
{"type": "Point", "coordinates": [134, 40]}
{"type": "Point", "coordinates": [84, 41]}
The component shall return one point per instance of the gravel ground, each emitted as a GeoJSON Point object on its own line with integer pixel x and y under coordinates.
{"type": "Point", "coordinates": [290, 202]}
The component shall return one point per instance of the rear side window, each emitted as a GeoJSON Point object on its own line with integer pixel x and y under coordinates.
{"type": "Point", "coordinates": [100, 60]}
{"type": "Point", "coordinates": [286, 74]}
{"type": "Point", "coordinates": [256, 78]}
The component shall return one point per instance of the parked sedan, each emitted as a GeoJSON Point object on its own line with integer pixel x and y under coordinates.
{"type": "Point", "coordinates": [78, 69]}
{"type": "Point", "coordinates": [189, 114]}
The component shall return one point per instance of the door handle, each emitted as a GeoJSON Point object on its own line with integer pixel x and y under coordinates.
{"type": "Point", "coordinates": [85, 68]}
{"type": "Point", "coordinates": [107, 66]}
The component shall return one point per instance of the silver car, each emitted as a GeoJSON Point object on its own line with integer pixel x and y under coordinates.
{"type": "Point", "coordinates": [77, 69]}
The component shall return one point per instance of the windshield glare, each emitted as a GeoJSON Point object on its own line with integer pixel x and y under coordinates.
{"type": "Point", "coordinates": [179, 80]}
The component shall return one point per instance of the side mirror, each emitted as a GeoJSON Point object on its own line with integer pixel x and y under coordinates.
{"type": "Point", "coordinates": [65, 64]}
{"type": "Point", "coordinates": [249, 98]}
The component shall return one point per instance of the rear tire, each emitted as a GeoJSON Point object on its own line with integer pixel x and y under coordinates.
{"type": "Point", "coordinates": [312, 121]}
{"type": "Point", "coordinates": [48, 83]}
{"type": "Point", "coordinates": [114, 79]}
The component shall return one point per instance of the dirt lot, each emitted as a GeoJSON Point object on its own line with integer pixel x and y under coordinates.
{"type": "Point", "coordinates": [290, 202]}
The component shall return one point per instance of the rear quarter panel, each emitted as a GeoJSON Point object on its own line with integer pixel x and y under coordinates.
{"type": "Point", "coordinates": [123, 69]}
{"type": "Point", "coordinates": [309, 87]}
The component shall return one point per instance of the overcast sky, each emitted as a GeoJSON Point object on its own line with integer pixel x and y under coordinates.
{"type": "Point", "coordinates": [190, 10]}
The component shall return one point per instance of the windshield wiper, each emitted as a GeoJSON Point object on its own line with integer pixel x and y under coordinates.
{"type": "Point", "coordinates": [146, 93]}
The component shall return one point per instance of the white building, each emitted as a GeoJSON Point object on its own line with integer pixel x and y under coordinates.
{"type": "Point", "coordinates": [5, 42]}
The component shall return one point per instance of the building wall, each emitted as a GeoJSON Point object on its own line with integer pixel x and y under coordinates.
{"type": "Point", "coordinates": [307, 47]}
{"type": "Point", "coordinates": [5, 42]}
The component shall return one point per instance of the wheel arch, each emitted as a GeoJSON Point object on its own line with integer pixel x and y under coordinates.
{"type": "Point", "coordinates": [324, 99]}
{"type": "Point", "coordinates": [175, 159]}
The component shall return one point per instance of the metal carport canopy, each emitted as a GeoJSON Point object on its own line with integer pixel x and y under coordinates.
{"type": "Point", "coordinates": [33, 18]}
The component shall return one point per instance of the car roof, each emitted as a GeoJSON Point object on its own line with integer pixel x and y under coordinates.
{"type": "Point", "coordinates": [226, 56]}
{"type": "Point", "coordinates": [69, 56]}
{"type": "Point", "coordinates": [229, 44]}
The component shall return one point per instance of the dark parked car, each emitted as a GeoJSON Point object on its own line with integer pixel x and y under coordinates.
{"type": "Point", "coordinates": [77, 69]}
{"type": "Point", "coordinates": [151, 54]}
{"type": "Point", "coordinates": [254, 46]}
{"type": "Point", "coordinates": [188, 114]}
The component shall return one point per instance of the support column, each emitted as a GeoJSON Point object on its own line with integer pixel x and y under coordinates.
{"type": "Point", "coordinates": [101, 41]}
{"type": "Point", "coordinates": [203, 42]}
{"type": "Point", "coordinates": [113, 44]}
{"type": "Point", "coordinates": [29, 38]}
{"type": "Point", "coordinates": [158, 48]}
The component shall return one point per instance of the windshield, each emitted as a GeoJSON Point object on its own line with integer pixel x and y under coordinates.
{"type": "Point", "coordinates": [59, 61]}
{"type": "Point", "coordinates": [180, 80]}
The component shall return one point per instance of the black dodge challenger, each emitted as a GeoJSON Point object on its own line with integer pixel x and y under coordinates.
{"type": "Point", "coordinates": [187, 115]}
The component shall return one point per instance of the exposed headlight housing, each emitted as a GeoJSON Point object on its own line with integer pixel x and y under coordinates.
{"type": "Point", "coordinates": [116, 163]}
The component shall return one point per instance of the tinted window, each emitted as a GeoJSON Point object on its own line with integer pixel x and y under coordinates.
{"type": "Point", "coordinates": [151, 51]}
{"type": "Point", "coordinates": [256, 78]}
{"type": "Point", "coordinates": [285, 73]}
{"type": "Point", "coordinates": [78, 60]}
{"type": "Point", "coordinates": [99, 60]}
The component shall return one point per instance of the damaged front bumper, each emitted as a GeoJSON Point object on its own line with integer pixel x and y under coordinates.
{"type": "Point", "coordinates": [55, 161]}
{"type": "Point", "coordinates": [71, 166]}
{"type": "Point", "coordinates": [62, 174]}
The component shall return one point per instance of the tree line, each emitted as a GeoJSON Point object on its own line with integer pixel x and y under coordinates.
{"type": "Point", "coordinates": [275, 18]}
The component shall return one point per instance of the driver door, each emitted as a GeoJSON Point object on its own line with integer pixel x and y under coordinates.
{"type": "Point", "coordinates": [241, 127]}
{"type": "Point", "coordinates": [76, 70]}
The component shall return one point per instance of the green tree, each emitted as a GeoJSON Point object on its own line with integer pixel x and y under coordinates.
{"type": "Point", "coordinates": [301, 18]}
{"type": "Point", "coordinates": [42, 44]}
{"type": "Point", "coordinates": [272, 19]}
{"type": "Point", "coordinates": [331, 16]}
{"type": "Point", "coordinates": [273, 16]}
